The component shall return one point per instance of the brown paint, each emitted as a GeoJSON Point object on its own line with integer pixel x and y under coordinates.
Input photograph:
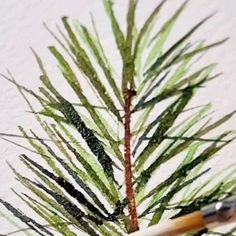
{"type": "Point", "coordinates": [128, 166]}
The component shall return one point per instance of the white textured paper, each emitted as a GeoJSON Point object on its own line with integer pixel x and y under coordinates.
{"type": "Point", "coordinates": [21, 28]}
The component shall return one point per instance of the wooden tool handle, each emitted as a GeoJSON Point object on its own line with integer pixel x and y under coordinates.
{"type": "Point", "coordinates": [213, 215]}
{"type": "Point", "coordinates": [188, 223]}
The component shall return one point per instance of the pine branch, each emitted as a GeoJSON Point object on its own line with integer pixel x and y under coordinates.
{"type": "Point", "coordinates": [87, 143]}
{"type": "Point", "coordinates": [128, 166]}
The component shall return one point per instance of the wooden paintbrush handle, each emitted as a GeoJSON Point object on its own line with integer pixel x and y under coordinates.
{"type": "Point", "coordinates": [189, 223]}
{"type": "Point", "coordinates": [210, 216]}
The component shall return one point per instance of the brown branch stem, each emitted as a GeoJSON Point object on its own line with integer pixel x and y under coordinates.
{"type": "Point", "coordinates": [128, 166]}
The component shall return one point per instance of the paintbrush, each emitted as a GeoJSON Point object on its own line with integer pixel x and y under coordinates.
{"type": "Point", "coordinates": [209, 217]}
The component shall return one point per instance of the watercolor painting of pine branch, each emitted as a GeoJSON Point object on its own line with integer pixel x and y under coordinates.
{"type": "Point", "coordinates": [99, 168]}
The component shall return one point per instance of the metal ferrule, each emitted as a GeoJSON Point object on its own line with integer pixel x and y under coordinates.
{"type": "Point", "coordinates": [220, 212]}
